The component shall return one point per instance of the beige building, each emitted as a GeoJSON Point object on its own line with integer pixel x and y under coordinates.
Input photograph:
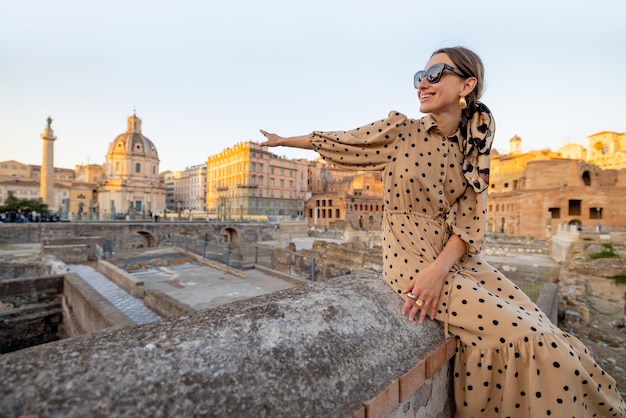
{"type": "Point", "coordinates": [131, 184]}
{"type": "Point", "coordinates": [189, 189]}
{"type": "Point", "coordinates": [532, 193]}
{"type": "Point", "coordinates": [167, 179]}
{"type": "Point", "coordinates": [607, 150]}
{"type": "Point", "coordinates": [23, 181]}
{"type": "Point", "coordinates": [246, 182]}
{"type": "Point", "coordinates": [356, 199]}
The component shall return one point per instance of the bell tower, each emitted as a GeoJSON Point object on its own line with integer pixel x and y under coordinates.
{"type": "Point", "coordinates": [46, 182]}
{"type": "Point", "coordinates": [515, 145]}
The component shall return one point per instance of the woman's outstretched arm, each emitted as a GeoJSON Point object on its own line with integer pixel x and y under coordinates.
{"type": "Point", "coordinates": [274, 140]}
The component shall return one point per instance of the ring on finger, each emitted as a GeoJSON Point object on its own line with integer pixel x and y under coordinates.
{"type": "Point", "coordinates": [411, 296]}
{"type": "Point", "coordinates": [419, 303]}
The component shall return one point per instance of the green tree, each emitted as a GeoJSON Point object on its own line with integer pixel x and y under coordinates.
{"type": "Point", "coordinates": [24, 206]}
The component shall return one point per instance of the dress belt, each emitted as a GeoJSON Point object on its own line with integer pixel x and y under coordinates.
{"type": "Point", "coordinates": [419, 215]}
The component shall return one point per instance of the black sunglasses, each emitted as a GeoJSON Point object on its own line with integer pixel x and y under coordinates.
{"type": "Point", "coordinates": [434, 73]}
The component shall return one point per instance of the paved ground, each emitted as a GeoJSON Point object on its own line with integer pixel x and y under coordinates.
{"type": "Point", "coordinates": [202, 287]}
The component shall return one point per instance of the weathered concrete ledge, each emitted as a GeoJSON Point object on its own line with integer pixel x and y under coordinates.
{"type": "Point", "coordinates": [330, 349]}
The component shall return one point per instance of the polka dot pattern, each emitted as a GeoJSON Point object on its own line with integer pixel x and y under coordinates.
{"type": "Point", "coordinates": [511, 361]}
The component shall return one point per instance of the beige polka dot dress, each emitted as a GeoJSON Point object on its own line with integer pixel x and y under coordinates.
{"type": "Point", "coordinates": [511, 361]}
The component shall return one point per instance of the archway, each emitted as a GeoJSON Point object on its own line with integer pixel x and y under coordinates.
{"type": "Point", "coordinates": [229, 235]}
{"type": "Point", "coordinates": [139, 239]}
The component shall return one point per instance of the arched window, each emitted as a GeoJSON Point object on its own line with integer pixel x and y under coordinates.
{"type": "Point", "coordinates": [587, 178]}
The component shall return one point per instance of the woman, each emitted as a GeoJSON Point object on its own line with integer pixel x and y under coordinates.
{"type": "Point", "coordinates": [435, 177]}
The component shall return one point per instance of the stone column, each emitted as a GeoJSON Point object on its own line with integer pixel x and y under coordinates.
{"type": "Point", "coordinates": [46, 182]}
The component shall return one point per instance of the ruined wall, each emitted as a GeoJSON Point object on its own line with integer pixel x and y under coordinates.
{"type": "Point", "coordinates": [86, 311]}
{"type": "Point", "coordinates": [73, 249]}
{"type": "Point", "coordinates": [30, 312]}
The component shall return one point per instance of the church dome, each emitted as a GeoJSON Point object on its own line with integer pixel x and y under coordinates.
{"type": "Point", "coordinates": [132, 143]}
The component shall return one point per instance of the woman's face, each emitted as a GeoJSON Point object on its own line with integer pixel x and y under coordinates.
{"type": "Point", "coordinates": [443, 96]}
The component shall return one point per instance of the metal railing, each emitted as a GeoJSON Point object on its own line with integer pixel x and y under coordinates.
{"type": "Point", "coordinates": [246, 256]}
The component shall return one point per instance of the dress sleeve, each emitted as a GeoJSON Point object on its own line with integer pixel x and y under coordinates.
{"type": "Point", "coordinates": [467, 218]}
{"type": "Point", "coordinates": [370, 147]}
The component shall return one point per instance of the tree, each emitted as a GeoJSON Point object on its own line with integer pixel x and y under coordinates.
{"type": "Point", "coordinates": [24, 206]}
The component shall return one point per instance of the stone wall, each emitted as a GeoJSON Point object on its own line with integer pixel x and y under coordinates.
{"type": "Point", "coordinates": [328, 349]}
{"type": "Point", "coordinates": [73, 249]}
{"type": "Point", "coordinates": [30, 312]}
{"type": "Point", "coordinates": [126, 281]}
{"type": "Point", "coordinates": [116, 234]}
{"type": "Point", "coordinates": [86, 311]}
{"type": "Point", "coordinates": [164, 305]}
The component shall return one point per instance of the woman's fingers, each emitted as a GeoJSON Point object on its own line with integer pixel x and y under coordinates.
{"type": "Point", "coordinates": [421, 308]}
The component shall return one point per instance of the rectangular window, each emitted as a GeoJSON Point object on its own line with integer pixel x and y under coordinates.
{"type": "Point", "coordinates": [337, 213]}
{"type": "Point", "coordinates": [137, 167]}
{"type": "Point", "coordinates": [310, 212]}
{"type": "Point", "coordinates": [595, 213]}
{"type": "Point", "coordinates": [555, 213]}
{"type": "Point", "coordinates": [574, 207]}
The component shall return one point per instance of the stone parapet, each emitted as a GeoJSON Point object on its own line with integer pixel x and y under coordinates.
{"type": "Point", "coordinates": [339, 348]}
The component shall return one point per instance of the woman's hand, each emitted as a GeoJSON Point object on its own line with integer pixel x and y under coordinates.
{"type": "Point", "coordinates": [427, 288]}
{"type": "Point", "coordinates": [273, 140]}
{"type": "Point", "coordinates": [428, 284]}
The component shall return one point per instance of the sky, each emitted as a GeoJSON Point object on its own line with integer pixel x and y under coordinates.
{"type": "Point", "coordinates": [206, 75]}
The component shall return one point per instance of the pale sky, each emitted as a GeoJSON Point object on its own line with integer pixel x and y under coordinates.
{"type": "Point", "coordinates": [205, 75]}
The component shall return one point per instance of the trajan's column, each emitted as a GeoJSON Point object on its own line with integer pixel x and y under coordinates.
{"type": "Point", "coordinates": [46, 182]}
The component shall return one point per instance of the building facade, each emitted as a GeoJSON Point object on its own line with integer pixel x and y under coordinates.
{"type": "Point", "coordinates": [23, 182]}
{"type": "Point", "coordinates": [189, 189]}
{"type": "Point", "coordinates": [246, 182]}
{"type": "Point", "coordinates": [167, 179]}
{"type": "Point", "coordinates": [131, 184]}
{"type": "Point", "coordinates": [356, 199]}
{"type": "Point", "coordinates": [532, 193]}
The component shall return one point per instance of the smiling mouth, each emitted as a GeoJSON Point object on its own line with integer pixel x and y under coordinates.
{"type": "Point", "coordinates": [425, 96]}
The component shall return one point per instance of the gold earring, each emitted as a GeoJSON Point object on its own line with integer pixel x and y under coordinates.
{"type": "Point", "coordinates": [462, 103]}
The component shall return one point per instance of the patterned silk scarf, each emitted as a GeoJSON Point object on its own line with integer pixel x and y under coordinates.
{"type": "Point", "coordinates": [476, 145]}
